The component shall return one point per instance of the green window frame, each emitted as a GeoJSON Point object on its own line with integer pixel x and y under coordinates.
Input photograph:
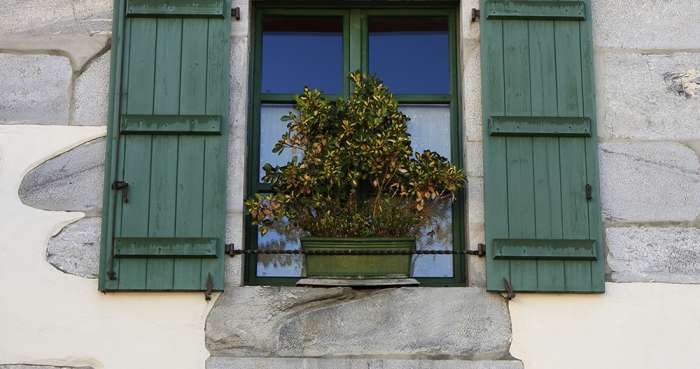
{"type": "Point", "coordinates": [355, 46]}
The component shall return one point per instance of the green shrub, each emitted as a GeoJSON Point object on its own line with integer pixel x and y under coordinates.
{"type": "Point", "coordinates": [358, 176]}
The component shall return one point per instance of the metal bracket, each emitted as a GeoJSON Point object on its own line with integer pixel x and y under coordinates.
{"type": "Point", "coordinates": [481, 250]}
{"type": "Point", "coordinates": [230, 249]}
{"type": "Point", "coordinates": [121, 186]}
{"type": "Point", "coordinates": [476, 14]}
{"type": "Point", "coordinates": [112, 275]}
{"type": "Point", "coordinates": [589, 192]}
{"type": "Point", "coordinates": [236, 13]}
{"type": "Point", "coordinates": [510, 294]}
{"type": "Point", "coordinates": [210, 288]}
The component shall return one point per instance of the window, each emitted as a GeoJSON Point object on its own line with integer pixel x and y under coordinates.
{"type": "Point", "coordinates": [413, 50]}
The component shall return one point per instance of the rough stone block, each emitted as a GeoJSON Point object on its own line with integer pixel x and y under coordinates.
{"type": "Point", "coordinates": [668, 24]}
{"type": "Point", "coordinates": [649, 181]}
{"type": "Point", "coordinates": [56, 16]}
{"type": "Point", "coordinates": [91, 98]}
{"type": "Point", "coordinates": [71, 181]}
{"type": "Point", "coordinates": [468, 323]}
{"type": "Point", "coordinates": [35, 89]}
{"type": "Point", "coordinates": [331, 363]}
{"type": "Point", "coordinates": [76, 249]}
{"type": "Point", "coordinates": [638, 97]}
{"type": "Point", "coordinates": [79, 48]}
{"type": "Point", "coordinates": [670, 255]}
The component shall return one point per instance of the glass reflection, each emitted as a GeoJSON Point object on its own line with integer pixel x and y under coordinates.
{"type": "Point", "coordinates": [429, 127]}
{"type": "Point", "coordinates": [302, 51]}
{"type": "Point", "coordinates": [279, 238]}
{"type": "Point", "coordinates": [271, 130]}
{"type": "Point", "coordinates": [410, 54]}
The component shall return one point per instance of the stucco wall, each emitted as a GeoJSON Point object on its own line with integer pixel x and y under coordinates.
{"type": "Point", "coordinates": [54, 68]}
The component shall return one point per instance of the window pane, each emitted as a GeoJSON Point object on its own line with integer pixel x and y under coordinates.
{"type": "Point", "coordinates": [437, 236]}
{"type": "Point", "coordinates": [302, 51]}
{"type": "Point", "coordinates": [279, 265]}
{"type": "Point", "coordinates": [429, 127]}
{"type": "Point", "coordinates": [430, 130]}
{"type": "Point", "coordinates": [271, 130]}
{"type": "Point", "coordinates": [410, 54]}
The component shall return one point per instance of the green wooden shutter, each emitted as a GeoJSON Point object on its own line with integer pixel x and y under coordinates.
{"type": "Point", "coordinates": [168, 142]}
{"type": "Point", "coordinates": [543, 226]}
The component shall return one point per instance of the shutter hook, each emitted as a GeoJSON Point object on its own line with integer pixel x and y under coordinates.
{"type": "Point", "coordinates": [476, 14]}
{"type": "Point", "coordinates": [122, 186]}
{"type": "Point", "coordinates": [210, 288]}
{"type": "Point", "coordinates": [510, 294]}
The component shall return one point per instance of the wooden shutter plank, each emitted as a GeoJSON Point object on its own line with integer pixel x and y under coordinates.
{"type": "Point", "coordinates": [162, 207]}
{"type": "Point", "coordinates": [548, 208]}
{"type": "Point", "coordinates": [134, 214]}
{"type": "Point", "coordinates": [543, 85]}
{"type": "Point", "coordinates": [167, 79]}
{"type": "Point", "coordinates": [141, 66]}
{"type": "Point", "coordinates": [194, 66]}
{"type": "Point", "coordinates": [568, 70]}
{"type": "Point", "coordinates": [190, 185]}
{"type": "Point", "coordinates": [589, 104]}
{"type": "Point", "coordinates": [216, 101]}
{"type": "Point", "coordinates": [214, 199]}
{"type": "Point", "coordinates": [495, 162]}
{"type": "Point", "coordinates": [521, 207]}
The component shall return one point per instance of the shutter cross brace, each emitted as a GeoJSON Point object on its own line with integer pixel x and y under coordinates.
{"type": "Point", "coordinates": [232, 251]}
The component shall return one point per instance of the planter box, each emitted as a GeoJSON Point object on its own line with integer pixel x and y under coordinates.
{"type": "Point", "coordinates": [357, 266]}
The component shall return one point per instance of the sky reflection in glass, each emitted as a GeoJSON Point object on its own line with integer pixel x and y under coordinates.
{"type": "Point", "coordinates": [302, 51]}
{"type": "Point", "coordinates": [410, 54]}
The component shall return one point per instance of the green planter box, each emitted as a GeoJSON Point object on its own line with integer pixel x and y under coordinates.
{"type": "Point", "coordinates": [357, 266]}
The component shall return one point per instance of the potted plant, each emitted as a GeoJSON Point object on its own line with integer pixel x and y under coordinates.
{"type": "Point", "coordinates": [356, 185]}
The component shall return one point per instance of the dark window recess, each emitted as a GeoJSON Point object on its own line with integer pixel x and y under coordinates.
{"type": "Point", "coordinates": [410, 54]}
{"type": "Point", "coordinates": [302, 51]}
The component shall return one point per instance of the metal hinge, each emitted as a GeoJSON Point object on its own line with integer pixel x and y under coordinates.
{"type": "Point", "coordinates": [481, 250]}
{"type": "Point", "coordinates": [210, 288]}
{"type": "Point", "coordinates": [121, 186]}
{"type": "Point", "coordinates": [230, 249]}
{"type": "Point", "coordinates": [510, 294]}
{"type": "Point", "coordinates": [589, 192]}
{"type": "Point", "coordinates": [236, 13]}
{"type": "Point", "coordinates": [476, 14]}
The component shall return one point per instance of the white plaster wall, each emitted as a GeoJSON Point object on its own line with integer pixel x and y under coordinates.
{"type": "Point", "coordinates": [48, 317]}
{"type": "Point", "coordinates": [632, 326]}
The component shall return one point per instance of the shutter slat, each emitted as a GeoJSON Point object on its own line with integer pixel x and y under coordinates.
{"type": "Point", "coordinates": [186, 8]}
{"type": "Point", "coordinates": [508, 9]}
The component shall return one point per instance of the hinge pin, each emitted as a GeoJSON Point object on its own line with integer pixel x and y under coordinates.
{"type": "Point", "coordinates": [122, 186]}
{"type": "Point", "coordinates": [210, 288]}
{"type": "Point", "coordinates": [510, 294]}
{"type": "Point", "coordinates": [589, 192]}
{"type": "Point", "coordinates": [236, 13]}
{"type": "Point", "coordinates": [476, 14]}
